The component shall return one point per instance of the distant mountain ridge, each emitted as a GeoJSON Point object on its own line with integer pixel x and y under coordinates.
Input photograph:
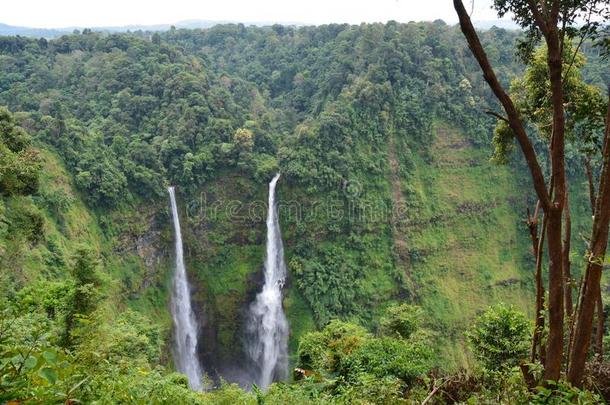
{"type": "Point", "coordinates": [6, 29]}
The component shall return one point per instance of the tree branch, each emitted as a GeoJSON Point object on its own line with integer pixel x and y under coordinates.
{"type": "Point", "coordinates": [498, 116]}
{"type": "Point", "coordinates": [538, 17]}
{"type": "Point", "coordinates": [512, 115]}
{"type": "Point", "coordinates": [580, 42]}
{"type": "Point", "coordinates": [589, 172]}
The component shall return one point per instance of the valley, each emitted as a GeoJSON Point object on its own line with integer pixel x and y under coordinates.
{"type": "Point", "coordinates": [388, 206]}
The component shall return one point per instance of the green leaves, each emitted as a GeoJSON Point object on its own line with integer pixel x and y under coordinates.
{"type": "Point", "coordinates": [500, 337]}
{"type": "Point", "coordinates": [30, 362]}
{"type": "Point", "coordinates": [19, 164]}
{"type": "Point", "coordinates": [352, 365]}
{"type": "Point", "coordinates": [50, 357]}
{"type": "Point", "coordinates": [400, 321]}
{"type": "Point", "coordinates": [48, 374]}
{"type": "Point", "coordinates": [585, 106]}
{"type": "Point", "coordinates": [31, 368]}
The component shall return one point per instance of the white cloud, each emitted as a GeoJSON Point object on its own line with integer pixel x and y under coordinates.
{"type": "Point", "coordinates": [66, 13]}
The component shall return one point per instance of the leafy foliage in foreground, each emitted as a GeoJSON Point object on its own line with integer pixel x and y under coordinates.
{"type": "Point", "coordinates": [113, 359]}
{"type": "Point", "coordinates": [500, 337]}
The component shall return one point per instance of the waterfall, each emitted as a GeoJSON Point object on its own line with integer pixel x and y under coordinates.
{"type": "Point", "coordinates": [185, 324]}
{"type": "Point", "coordinates": [267, 345]}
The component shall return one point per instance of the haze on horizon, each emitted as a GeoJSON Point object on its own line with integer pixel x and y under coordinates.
{"type": "Point", "coordinates": [77, 13]}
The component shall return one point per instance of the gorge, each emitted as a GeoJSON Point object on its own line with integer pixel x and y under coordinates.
{"type": "Point", "coordinates": [398, 226]}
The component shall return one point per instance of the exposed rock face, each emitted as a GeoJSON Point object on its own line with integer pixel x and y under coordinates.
{"type": "Point", "coordinates": [145, 234]}
{"type": "Point", "coordinates": [149, 248]}
{"type": "Point", "coordinates": [223, 233]}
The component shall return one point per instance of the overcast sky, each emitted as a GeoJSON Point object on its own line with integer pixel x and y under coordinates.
{"type": "Point", "coordinates": [88, 13]}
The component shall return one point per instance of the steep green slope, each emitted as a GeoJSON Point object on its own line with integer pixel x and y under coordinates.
{"type": "Point", "coordinates": [467, 238]}
{"type": "Point", "coordinates": [464, 236]}
{"type": "Point", "coordinates": [42, 229]}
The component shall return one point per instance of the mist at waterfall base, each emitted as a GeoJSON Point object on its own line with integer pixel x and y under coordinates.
{"type": "Point", "coordinates": [185, 323]}
{"type": "Point", "coordinates": [267, 328]}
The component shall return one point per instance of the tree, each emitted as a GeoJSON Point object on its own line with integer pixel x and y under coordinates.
{"type": "Point", "coordinates": [585, 109]}
{"type": "Point", "coordinates": [499, 337]}
{"type": "Point", "coordinates": [244, 139]}
{"type": "Point", "coordinates": [19, 163]}
{"type": "Point", "coordinates": [85, 294]}
{"type": "Point", "coordinates": [556, 22]}
{"type": "Point", "coordinates": [322, 351]}
{"type": "Point", "coordinates": [400, 321]}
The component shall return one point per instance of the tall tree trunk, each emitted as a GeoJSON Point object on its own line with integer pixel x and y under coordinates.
{"type": "Point", "coordinates": [599, 336]}
{"type": "Point", "coordinates": [593, 272]}
{"type": "Point", "coordinates": [539, 322]}
{"type": "Point", "coordinates": [552, 208]}
{"type": "Point", "coordinates": [554, 349]}
{"type": "Point", "coordinates": [567, 277]}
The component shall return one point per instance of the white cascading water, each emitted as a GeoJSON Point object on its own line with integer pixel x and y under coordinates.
{"type": "Point", "coordinates": [185, 324]}
{"type": "Point", "coordinates": [267, 345]}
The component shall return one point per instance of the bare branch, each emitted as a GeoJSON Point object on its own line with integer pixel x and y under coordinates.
{"type": "Point", "coordinates": [498, 116]}
{"type": "Point", "coordinates": [580, 42]}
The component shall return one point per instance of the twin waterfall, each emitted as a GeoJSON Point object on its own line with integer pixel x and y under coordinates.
{"type": "Point", "coordinates": [185, 324]}
{"type": "Point", "coordinates": [267, 343]}
{"type": "Point", "coordinates": [266, 325]}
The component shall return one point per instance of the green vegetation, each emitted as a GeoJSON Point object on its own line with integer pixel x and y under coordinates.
{"type": "Point", "coordinates": [398, 229]}
{"type": "Point", "coordinates": [500, 338]}
{"type": "Point", "coordinates": [20, 166]}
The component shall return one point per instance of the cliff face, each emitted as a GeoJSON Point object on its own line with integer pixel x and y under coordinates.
{"type": "Point", "coordinates": [224, 234]}
{"type": "Point", "coordinates": [461, 234]}
{"type": "Point", "coordinates": [460, 231]}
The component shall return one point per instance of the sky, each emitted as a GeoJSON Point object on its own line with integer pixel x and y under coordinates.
{"type": "Point", "coordinates": [97, 13]}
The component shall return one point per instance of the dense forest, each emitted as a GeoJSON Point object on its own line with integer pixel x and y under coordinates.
{"type": "Point", "coordinates": [402, 203]}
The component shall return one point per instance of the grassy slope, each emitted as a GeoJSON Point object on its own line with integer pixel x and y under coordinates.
{"type": "Point", "coordinates": [468, 244]}
{"type": "Point", "coordinates": [66, 222]}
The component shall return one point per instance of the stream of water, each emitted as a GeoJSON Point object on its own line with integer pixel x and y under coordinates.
{"type": "Point", "coordinates": [185, 324]}
{"type": "Point", "coordinates": [267, 345]}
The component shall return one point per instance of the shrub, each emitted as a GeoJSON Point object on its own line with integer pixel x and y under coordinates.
{"type": "Point", "coordinates": [563, 393]}
{"type": "Point", "coordinates": [400, 321]}
{"type": "Point", "coordinates": [500, 337]}
{"type": "Point", "coordinates": [366, 388]}
{"type": "Point", "coordinates": [389, 357]}
{"type": "Point", "coordinates": [19, 163]}
{"type": "Point", "coordinates": [322, 351]}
